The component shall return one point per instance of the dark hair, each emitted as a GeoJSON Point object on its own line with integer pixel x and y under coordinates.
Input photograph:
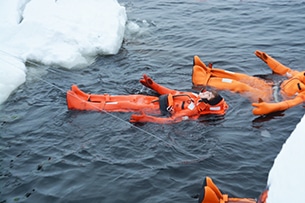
{"type": "Point", "coordinates": [217, 98]}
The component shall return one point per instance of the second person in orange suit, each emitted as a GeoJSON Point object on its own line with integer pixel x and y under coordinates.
{"type": "Point", "coordinates": [259, 91]}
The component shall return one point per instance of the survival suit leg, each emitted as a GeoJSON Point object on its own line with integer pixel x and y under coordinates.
{"type": "Point", "coordinates": [127, 103]}
{"type": "Point", "coordinates": [113, 98]}
{"type": "Point", "coordinates": [239, 87]}
{"type": "Point", "coordinates": [201, 75]}
{"type": "Point", "coordinates": [128, 106]}
{"type": "Point", "coordinates": [274, 65]}
{"type": "Point", "coordinates": [77, 99]}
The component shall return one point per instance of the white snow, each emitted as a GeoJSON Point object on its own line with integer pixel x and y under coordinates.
{"type": "Point", "coordinates": [287, 175]}
{"type": "Point", "coordinates": [62, 33]}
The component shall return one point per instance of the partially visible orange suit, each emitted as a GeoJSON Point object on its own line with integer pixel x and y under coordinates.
{"type": "Point", "coordinates": [257, 89]}
{"type": "Point", "coordinates": [210, 193]}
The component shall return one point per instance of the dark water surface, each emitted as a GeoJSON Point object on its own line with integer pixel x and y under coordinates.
{"type": "Point", "coordinates": [50, 154]}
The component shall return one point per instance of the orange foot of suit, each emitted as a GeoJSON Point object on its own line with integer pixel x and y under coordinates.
{"type": "Point", "coordinates": [211, 194]}
{"type": "Point", "coordinates": [203, 72]}
{"type": "Point", "coordinates": [197, 61]}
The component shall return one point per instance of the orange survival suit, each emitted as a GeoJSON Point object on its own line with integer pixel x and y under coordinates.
{"type": "Point", "coordinates": [174, 106]}
{"type": "Point", "coordinates": [211, 194]}
{"type": "Point", "coordinates": [292, 89]}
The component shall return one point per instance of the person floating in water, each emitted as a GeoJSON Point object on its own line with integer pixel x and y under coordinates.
{"type": "Point", "coordinates": [259, 91]}
{"type": "Point", "coordinates": [210, 193]}
{"type": "Point", "coordinates": [171, 106]}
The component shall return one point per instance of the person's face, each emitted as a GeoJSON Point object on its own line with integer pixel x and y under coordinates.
{"type": "Point", "coordinates": [206, 95]}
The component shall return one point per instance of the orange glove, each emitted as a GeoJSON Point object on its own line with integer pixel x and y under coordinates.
{"type": "Point", "coordinates": [262, 108]}
{"type": "Point", "coordinates": [146, 81]}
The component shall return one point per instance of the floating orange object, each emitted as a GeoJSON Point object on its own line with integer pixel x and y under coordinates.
{"type": "Point", "coordinates": [257, 89]}
{"type": "Point", "coordinates": [170, 107]}
{"type": "Point", "coordinates": [211, 194]}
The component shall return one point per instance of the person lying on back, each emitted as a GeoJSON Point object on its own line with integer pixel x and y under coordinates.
{"type": "Point", "coordinates": [171, 106]}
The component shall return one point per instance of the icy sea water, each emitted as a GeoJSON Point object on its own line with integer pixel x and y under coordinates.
{"type": "Point", "coordinates": [50, 154]}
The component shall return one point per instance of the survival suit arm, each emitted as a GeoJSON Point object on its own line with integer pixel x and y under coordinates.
{"type": "Point", "coordinates": [275, 65]}
{"type": "Point", "coordinates": [143, 118]}
{"type": "Point", "coordinates": [262, 108]}
{"type": "Point", "coordinates": [148, 82]}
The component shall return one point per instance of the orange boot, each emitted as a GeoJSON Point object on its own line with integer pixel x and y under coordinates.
{"type": "Point", "coordinates": [197, 61]}
{"type": "Point", "coordinates": [209, 182]}
{"type": "Point", "coordinates": [208, 196]}
{"type": "Point", "coordinates": [200, 76]}
{"type": "Point", "coordinates": [201, 73]}
{"type": "Point", "coordinates": [211, 193]}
